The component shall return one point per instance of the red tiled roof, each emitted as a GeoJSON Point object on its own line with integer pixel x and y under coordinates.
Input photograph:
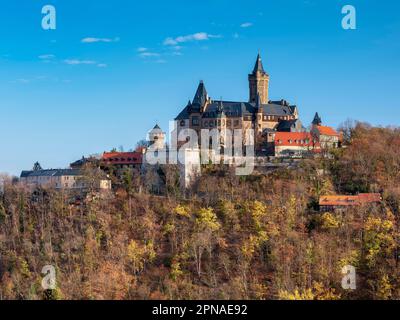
{"type": "Point", "coordinates": [327, 131]}
{"type": "Point", "coordinates": [300, 139]}
{"type": "Point", "coordinates": [369, 197]}
{"type": "Point", "coordinates": [120, 158]}
{"type": "Point", "coordinates": [340, 200]}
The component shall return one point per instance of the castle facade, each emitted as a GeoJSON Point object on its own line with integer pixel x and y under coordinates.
{"type": "Point", "coordinates": [259, 113]}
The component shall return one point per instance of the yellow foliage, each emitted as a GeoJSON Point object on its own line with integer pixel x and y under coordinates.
{"type": "Point", "coordinates": [139, 254]}
{"type": "Point", "coordinates": [176, 270]}
{"type": "Point", "coordinates": [207, 220]}
{"type": "Point", "coordinates": [317, 292]}
{"type": "Point", "coordinates": [379, 238]}
{"type": "Point", "coordinates": [249, 247]}
{"type": "Point", "coordinates": [352, 259]}
{"type": "Point", "coordinates": [182, 211]}
{"type": "Point", "coordinates": [24, 268]}
{"type": "Point", "coordinates": [384, 291]}
{"type": "Point", "coordinates": [329, 221]}
{"type": "Point", "coordinates": [296, 295]}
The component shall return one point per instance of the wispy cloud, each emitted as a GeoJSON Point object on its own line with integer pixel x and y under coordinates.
{"type": "Point", "coordinates": [22, 80]}
{"type": "Point", "coordinates": [47, 56]}
{"type": "Point", "coordinates": [78, 62]}
{"type": "Point", "coordinates": [200, 36]}
{"type": "Point", "coordinates": [148, 54]}
{"type": "Point", "coordinates": [94, 40]}
{"type": "Point", "coordinates": [142, 49]}
{"type": "Point", "coordinates": [176, 53]}
{"type": "Point", "coordinates": [246, 25]}
{"type": "Point", "coordinates": [102, 65]}
{"type": "Point", "coordinates": [39, 79]}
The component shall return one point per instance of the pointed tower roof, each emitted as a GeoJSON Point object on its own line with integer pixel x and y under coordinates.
{"type": "Point", "coordinates": [37, 167]}
{"type": "Point", "coordinates": [201, 95]}
{"type": "Point", "coordinates": [156, 130]}
{"type": "Point", "coordinates": [258, 66]}
{"type": "Point", "coordinates": [317, 120]}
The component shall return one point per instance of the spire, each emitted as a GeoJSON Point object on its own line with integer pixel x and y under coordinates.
{"type": "Point", "coordinates": [317, 120]}
{"type": "Point", "coordinates": [201, 96]}
{"type": "Point", "coordinates": [220, 107]}
{"type": "Point", "coordinates": [37, 167]}
{"type": "Point", "coordinates": [258, 66]}
{"type": "Point", "coordinates": [156, 127]}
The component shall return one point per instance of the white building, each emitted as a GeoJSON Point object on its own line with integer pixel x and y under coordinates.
{"type": "Point", "coordinates": [58, 178]}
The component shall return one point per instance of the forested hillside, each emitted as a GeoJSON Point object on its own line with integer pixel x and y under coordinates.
{"type": "Point", "coordinates": [256, 237]}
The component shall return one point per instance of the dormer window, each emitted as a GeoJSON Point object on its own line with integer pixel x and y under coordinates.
{"type": "Point", "coordinates": [195, 121]}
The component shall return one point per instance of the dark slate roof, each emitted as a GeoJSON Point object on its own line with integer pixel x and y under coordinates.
{"type": "Point", "coordinates": [271, 109]}
{"type": "Point", "coordinates": [230, 109]}
{"type": "Point", "coordinates": [290, 126]}
{"type": "Point", "coordinates": [184, 114]}
{"type": "Point", "coordinates": [200, 97]}
{"type": "Point", "coordinates": [317, 120]}
{"type": "Point", "coordinates": [51, 173]}
{"type": "Point", "coordinates": [258, 66]}
{"type": "Point", "coordinates": [25, 174]}
{"type": "Point", "coordinates": [156, 129]}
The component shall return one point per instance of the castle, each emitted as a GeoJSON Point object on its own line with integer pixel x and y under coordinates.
{"type": "Point", "coordinates": [258, 113]}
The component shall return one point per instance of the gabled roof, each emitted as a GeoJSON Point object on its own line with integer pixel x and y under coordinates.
{"type": "Point", "coordinates": [326, 131]}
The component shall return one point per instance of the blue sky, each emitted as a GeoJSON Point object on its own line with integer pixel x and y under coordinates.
{"type": "Point", "coordinates": [63, 95]}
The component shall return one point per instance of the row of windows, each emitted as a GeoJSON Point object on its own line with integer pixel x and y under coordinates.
{"type": "Point", "coordinates": [212, 123]}
{"type": "Point", "coordinates": [121, 159]}
{"type": "Point", "coordinates": [196, 121]}
{"type": "Point", "coordinates": [306, 141]}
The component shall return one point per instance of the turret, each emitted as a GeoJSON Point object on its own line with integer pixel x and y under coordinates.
{"type": "Point", "coordinates": [258, 83]}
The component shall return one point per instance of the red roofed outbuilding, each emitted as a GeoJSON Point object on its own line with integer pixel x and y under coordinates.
{"type": "Point", "coordinates": [332, 202]}
{"type": "Point", "coordinates": [122, 159]}
{"type": "Point", "coordinates": [295, 144]}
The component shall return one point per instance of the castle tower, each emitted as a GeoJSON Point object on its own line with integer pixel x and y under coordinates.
{"type": "Point", "coordinates": [259, 83]}
{"type": "Point", "coordinates": [157, 137]}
